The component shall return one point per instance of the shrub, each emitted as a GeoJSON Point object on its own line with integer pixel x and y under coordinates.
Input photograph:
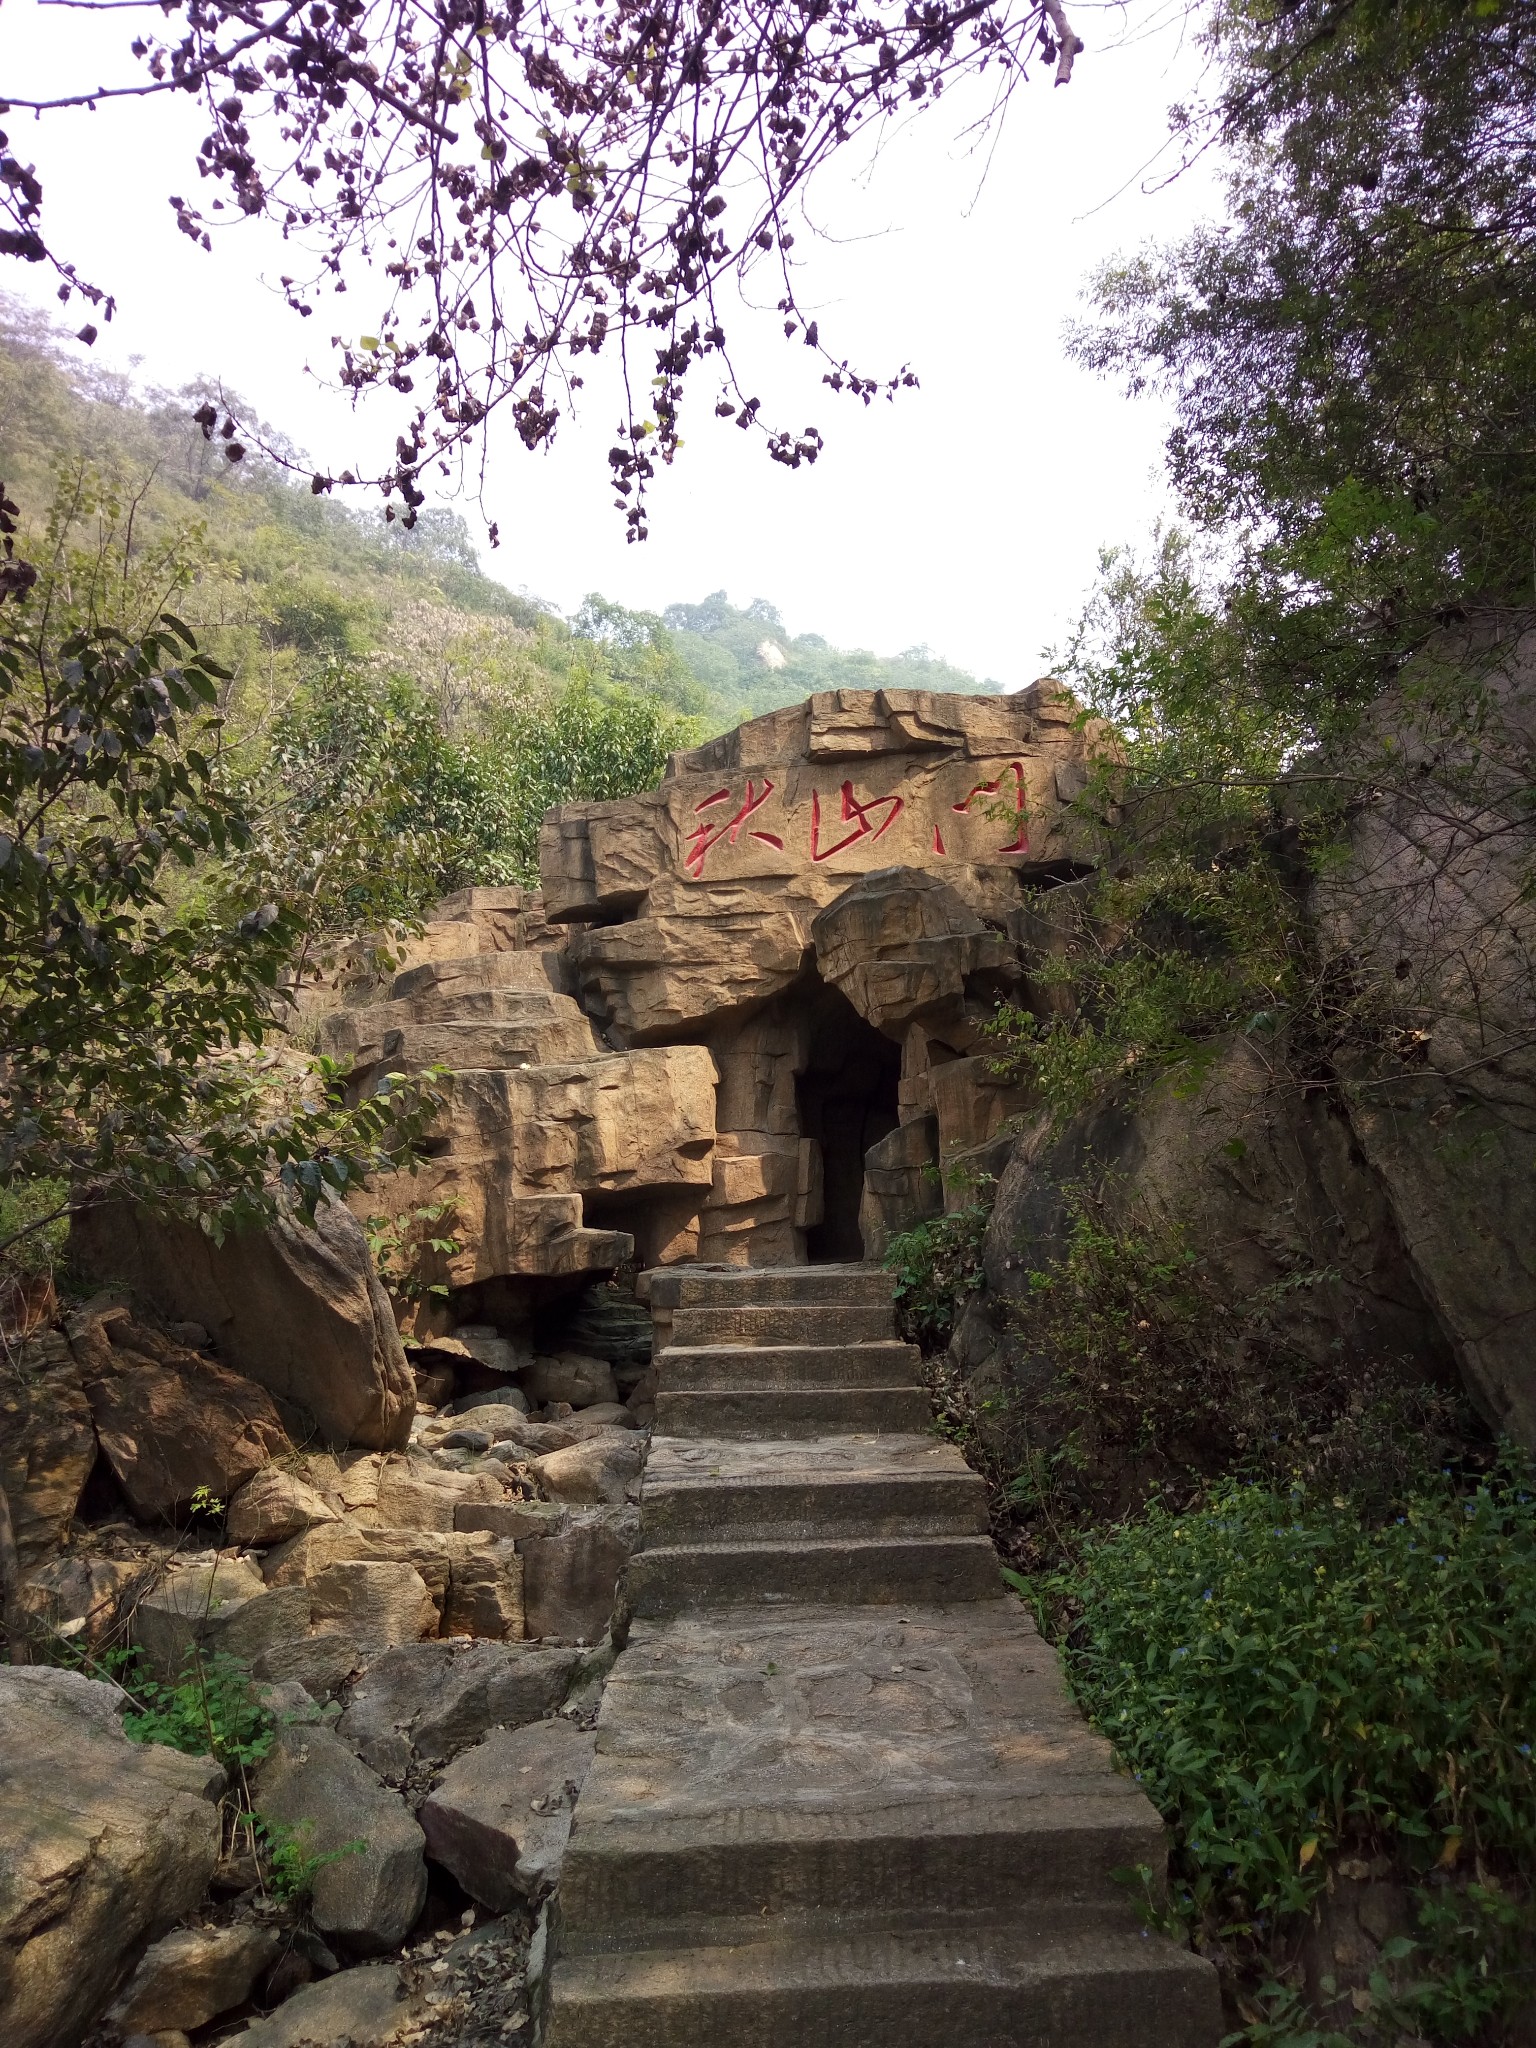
{"type": "Point", "coordinates": [211, 1710]}
{"type": "Point", "coordinates": [937, 1265]}
{"type": "Point", "coordinates": [1290, 1682]}
{"type": "Point", "coordinates": [1157, 1377]}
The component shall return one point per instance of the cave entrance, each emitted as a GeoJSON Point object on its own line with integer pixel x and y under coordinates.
{"type": "Point", "coordinates": [846, 1095]}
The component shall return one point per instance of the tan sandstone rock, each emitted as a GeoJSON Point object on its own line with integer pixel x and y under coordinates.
{"type": "Point", "coordinates": [300, 1311]}
{"type": "Point", "coordinates": [47, 1444]}
{"type": "Point", "coordinates": [107, 1844]}
{"type": "Point", "coordinates": [192, 1975]}
{"type": "Point", "coordinates": [273, 1506]}
{"type": "Point", "coordinates": [372, 1600]}
{"type": "Point", "coordinates": [170, 1422]}
{"type": "Point", "coordinates": [603, 1469]}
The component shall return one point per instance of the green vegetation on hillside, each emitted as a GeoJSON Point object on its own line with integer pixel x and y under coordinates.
{"type": "Point", "coordinates": [290, 589]}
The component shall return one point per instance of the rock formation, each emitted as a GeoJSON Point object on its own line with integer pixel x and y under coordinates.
{"type": "Point", "coordinates": [823, 898]}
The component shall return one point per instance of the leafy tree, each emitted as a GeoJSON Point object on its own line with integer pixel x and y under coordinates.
{"type": "Point", "coordinates": [132, 1024]}
{"type": "Point", "coordinates": [590, 744]}
{"type": "Point", "coordinates": [545, 186]}
{"type": "Point", "coordinates": [1352, 352]}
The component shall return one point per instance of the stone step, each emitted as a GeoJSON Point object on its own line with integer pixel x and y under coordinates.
{"type": "Point", "coordinates": [636, 1880]}
{"type": "Point", "coordinates": [831, 1286]}
{"type": "Point", "coordinates": [722, 1368]}
{"type": "Point", "coordinates": [783, 1322]}
{"type": "Point", "coordinates": [804, 1412]}
{"type": "Point", "coordinates": [767, 1510]}
{"type": "Point", "coordinates": [738, 1490]}
{"type": "Point", "coordinates": [865, 1571]}
{"type": "Point", "coordinates": [1008, 1986]}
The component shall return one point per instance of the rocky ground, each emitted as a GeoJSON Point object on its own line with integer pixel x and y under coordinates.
{"type": "Point", "coordinates": [419, 1635]}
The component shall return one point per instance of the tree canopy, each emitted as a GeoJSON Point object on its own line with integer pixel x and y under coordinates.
{"type": "Point", "coordinates": [515, 189]}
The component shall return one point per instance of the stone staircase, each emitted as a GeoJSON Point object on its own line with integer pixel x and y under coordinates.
{"type": "Point", "coordinates": [841, 1799]}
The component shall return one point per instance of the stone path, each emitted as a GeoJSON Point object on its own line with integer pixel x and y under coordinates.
{"type": "Point", "coordinates": [841, 1798]}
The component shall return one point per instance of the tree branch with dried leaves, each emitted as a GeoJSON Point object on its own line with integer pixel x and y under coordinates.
{"type": "Point", "coordinates": [522, 186]}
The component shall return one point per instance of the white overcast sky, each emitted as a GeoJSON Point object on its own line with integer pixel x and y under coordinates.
{"type": "Point", "coordinates": [967, 516]}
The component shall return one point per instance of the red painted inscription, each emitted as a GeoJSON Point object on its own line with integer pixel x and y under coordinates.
{"type": "Point", "coordinates": [706, 836]}
{"type": "Point", "coordinates": [1019, 843]}
{"type": "Point", "coordinates": [860, 816]}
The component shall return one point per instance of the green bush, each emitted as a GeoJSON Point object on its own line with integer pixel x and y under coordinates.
{"type": "Point", "coordinates": [1289, 1683]}
{"type": "Point", "coordinates": [291, 1866]}
{"type": "Point", "coordinates": [937, 1265]}
{"type": "Point", "coordinates": [211, 1709]}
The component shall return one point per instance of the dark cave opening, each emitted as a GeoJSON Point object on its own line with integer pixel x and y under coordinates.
{"type": "Point", "coordinates": [847, 1094]}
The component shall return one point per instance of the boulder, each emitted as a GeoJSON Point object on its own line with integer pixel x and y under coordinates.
{"type": "Point", "coordinates": [488, 1397]}
{"type": "Point", "coordinates": [486, 1344]}
{"type": "Point", "coordinates": [322, 1663]}
{"type": "Point", "coordinates": [223, 1608]}
{"type": "Point", "coordinates": [500, 1816]}
{"type": "Point", "coordinates": [601, 1416]}
{"type": "Point", "coordinates": [365, 2008]}
{"type": "Point", "coordinates": [427, 1701]}
{"type": "Point", "coordinates": [47, 1444]}
{"type": "Point", "coordinates": [372, 1600]}
{"type": "Point", "coordinates": [369, 1897]}
{"type": "Point", "coordinates": [485, 1590]}
{"type": "Point", "coordinates": [905, 948]}
{"type": "Point", "coordinates": [106, 1844]}
{"type": "Point", "coordinates": [170, 1422]}
{"type": "Point", "coordinates": [508, 1517]}
{"type": "Point", "coordinates": [603, 1468]}
{"type": "Point", "coordinates": [273, 1506]}
{"type": "Point", "coordinates": [300, 1311]}
{"type": "Point", "coordinates": [570, 1377]}
{"type": "Point", "coordinates": [472, 1579]}
{"type": "Point", "coordinates": [524, 1439]}
{"type": "Point", "coordinates": [422, 1496]}
{"type": "Point", "coordinates": [571, 1572]}
{"type": "Point", "coordinates": [82, 1598]}
{"type": "Point", "coordinates": [193, 1974]}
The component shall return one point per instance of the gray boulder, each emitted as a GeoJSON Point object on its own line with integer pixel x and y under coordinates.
{"type": "Point", "coordinates": [104, 1845]}
{"type": "Point", "coordinates": [429, 1701]}
{"type": "Point", "coordinates": [363, 2008]}
{"type": "Point", "coordinates": [571, 1573]}
{"type": "Point", "coordinates": [368, 1898]}
{"type": "Point", "coordinates": [500, 1818]}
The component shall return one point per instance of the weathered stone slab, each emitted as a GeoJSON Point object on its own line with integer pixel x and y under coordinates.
{"type": "Point", "coordinates": [501, 1814]}
{"type": "Point", "coordinates": [428, 1701]}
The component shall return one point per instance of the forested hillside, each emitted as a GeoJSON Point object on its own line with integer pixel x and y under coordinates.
{"type": "Point", "coordinates": [294, 584]}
